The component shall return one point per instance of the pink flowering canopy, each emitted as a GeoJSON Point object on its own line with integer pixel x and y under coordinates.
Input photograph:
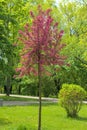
{"type": "Point", "coordinates": [41, 42]}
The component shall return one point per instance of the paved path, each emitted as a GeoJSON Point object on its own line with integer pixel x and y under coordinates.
{"type": "Point", "coordinates": [33, 97]}
{"type": "Point", "coordinates": [23, 103]}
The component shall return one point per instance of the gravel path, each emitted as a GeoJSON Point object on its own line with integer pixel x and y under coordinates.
{"type": "Point", "coordinates": [18, 103]}
{"type": "Point", "coordinates": [24, 103]}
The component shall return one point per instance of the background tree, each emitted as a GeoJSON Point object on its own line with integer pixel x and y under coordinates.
{"type": "Point", "coordinates": [5, 48]}
{"type": "Point", "coordinates": [75, 19]}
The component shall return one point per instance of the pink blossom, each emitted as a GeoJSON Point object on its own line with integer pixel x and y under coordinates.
{"type": "Point", "coordinates": [41, 43]}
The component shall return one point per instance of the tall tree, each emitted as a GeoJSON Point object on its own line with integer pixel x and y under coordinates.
{"type": "Point", "coordinates": [74, 15]}
{"type": "Point", "coordinates": [7, 49]}
{"type": "Point", "coordinates": [41, 47]}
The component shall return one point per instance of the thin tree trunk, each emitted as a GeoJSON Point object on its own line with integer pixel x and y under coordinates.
{"type": "Point", "coordinates": [19, 90]}
{"type": "Point", "coordinates": [40, 104]}
{"type": "Point", "coordinates": [39, 86]}
{"type": "Point", "coordinates": [8, 85]}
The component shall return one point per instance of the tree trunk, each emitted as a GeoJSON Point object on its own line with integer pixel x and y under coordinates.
{"type": "Point", "coordinates": [40, 105]}
{"type": "Point", "coordinates": [57, 85]}
{"type": "Point", "coordinates": [8, 87]}
{"type": "Point", "coordinates": [39, 86]}
{"type": "Point", "coordinates": [19, 90]}
{"type": "Point", "coordinates": [7, 90]}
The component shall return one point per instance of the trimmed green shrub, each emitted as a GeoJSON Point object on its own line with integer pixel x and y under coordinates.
{"type": "Point", "coordinates": [71, 97]}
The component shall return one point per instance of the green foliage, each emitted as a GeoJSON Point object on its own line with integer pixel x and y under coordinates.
{"type": "Point", "coordinates": [48, 88]}
{"type": "Point", "coordinates": [74, 23]}
{"type": "Point", "coordinates": [7, 21]}
{"type": "Point", "coordinates": [71, 97]}
{"type": "Point", "coordinates": [30, 89]}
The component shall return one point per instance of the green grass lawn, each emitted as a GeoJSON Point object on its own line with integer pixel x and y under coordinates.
{"type": "Point", "coordinates": [53, 118]}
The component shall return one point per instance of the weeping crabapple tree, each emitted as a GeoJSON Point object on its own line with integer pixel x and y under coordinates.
{"type": "Point", "coordinates": [41, 48]}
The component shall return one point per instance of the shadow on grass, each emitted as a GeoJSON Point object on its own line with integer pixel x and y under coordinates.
{"type": "Point", "coordinates": [4, 121]}
{"type": "Point", "coordinates": [81, 118]}
{"type": "Point", "coordinates": [43, 104]}
{"type": "Point", "coordinates": [49, 103]}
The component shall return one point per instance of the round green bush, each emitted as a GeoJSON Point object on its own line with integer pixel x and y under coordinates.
{"type": "Point", "coordinates": [71, 97]}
